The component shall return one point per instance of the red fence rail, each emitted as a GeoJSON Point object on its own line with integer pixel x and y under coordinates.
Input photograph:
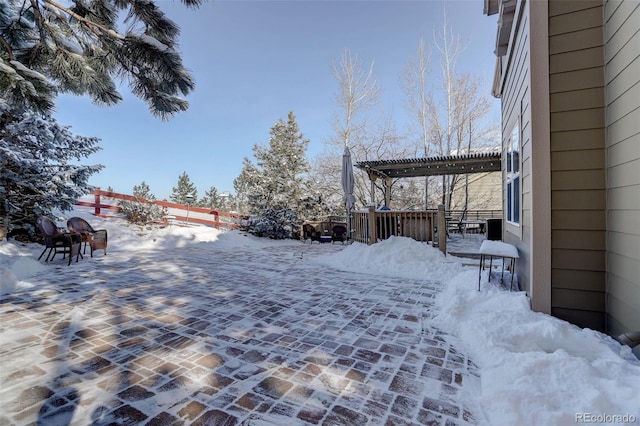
{"type": "Point", "coordinates": [199, 215]}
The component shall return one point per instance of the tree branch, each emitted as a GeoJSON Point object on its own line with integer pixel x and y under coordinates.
{"type": "Point", "coordinates": [6, 45]}
{"type": "Point", "coordinates": [89, 23]}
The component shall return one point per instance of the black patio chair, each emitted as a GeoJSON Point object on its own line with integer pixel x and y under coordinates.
{"type": "Point", "coordinates": [95, 238]}
{"type": "Point", "coordinates": [57, 241]}
{"type": "Point", "coordinates": [309, 232]}
{"type": "Point", "coordinates": [339, 233]}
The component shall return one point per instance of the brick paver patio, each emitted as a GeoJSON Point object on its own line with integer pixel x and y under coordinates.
{"type": "Point", "coordinates": [204, 336]}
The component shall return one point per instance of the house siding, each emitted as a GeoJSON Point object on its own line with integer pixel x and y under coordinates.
{"type": "Point", "coordinates": [622, 80]}
{"type": "Point", "coordinates": [578, 230]}
{"type": "Point", "coordinates": [484, 192]}
{"type": "Point", "coordinates": [572, 72]}
{"type": "Point", "coordinates": [525, 99]}
{"type": "Point", "coordinates": [515, 111]}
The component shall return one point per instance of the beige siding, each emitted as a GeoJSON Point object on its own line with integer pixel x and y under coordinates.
{"type": "Point", "coordinates": [574, 22]}
{"type": "Point", "coordinates": [589, 107]}
{"type": "Point", "coordinates": [591, 98]}
{"type": "Point", "coordinates": [580, 59]}
{"type": "Point", "coordinates": [590, 159]}
{"type": "Point", "coordinates": [622, 76]}
{"type": "Point", "coordinates": [626, 174]}
{"type": "Point", "coordinates": [586, 318]}
{"type": "Point", "coordinates": [578, 220]}
{"type": "Point", "coordinates": [561, 7]}
{"type": "Point", "coordinates": [578, 240]}
{"type": "Point", "coordinates": [577, 139]}
{"type": "Point", "coordinates": [515, 102]}
{"type": "Point", "coordinates": [536, 226]}
{"type": "Point", "coordinates": [622, 129]}
{"type": "Point", "coordinates": [570, 180]}
{"type": "Point", "coordinates": [580, 280]}
{"type": "Point", "coordinates": [585, 38]}
{"type": "Point", "coordinates": [624, 73]}
{"type": "Point", "coordinates": [587, 219]}
{"type": "Point", "coordinates": [578, 200]}
{"type": "Point", "coordinates": [485, 192]}
{"type": "Point", "coordinates": [622, 152]}
{"type": "Point", "coordinates": [579, 300]}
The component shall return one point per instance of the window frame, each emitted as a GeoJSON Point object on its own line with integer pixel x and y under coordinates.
{"type": "Point", "coordinates": [513, 175]}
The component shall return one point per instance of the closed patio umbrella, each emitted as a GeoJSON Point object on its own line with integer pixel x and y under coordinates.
{"type": "Point", "coordinates": [347, 186]}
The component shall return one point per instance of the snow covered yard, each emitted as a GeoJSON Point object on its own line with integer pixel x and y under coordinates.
{"type": "Point", "coordinates": [190, 325]}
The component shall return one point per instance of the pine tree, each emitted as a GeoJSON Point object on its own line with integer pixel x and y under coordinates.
{"type": "Point", "coordinates": [78, 47]}
{"type": "Point", "coordinates": [247, 186]}
{"type": "Point", "coordinates": [143, 211]}
{"type": "Point", "coordinates": [38, 167]}
{"type": "Point", "coordinates": [186, 189]}
{"type": "Point", "coordinates": [143, 191]}
{"type": "Point", "coordinates": [276, 188]}
{"type": "Point", "coordinates": [211, 199]}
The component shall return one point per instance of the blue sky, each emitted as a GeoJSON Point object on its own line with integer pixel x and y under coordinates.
{"type": "Point", "coordinates": [253, 63]}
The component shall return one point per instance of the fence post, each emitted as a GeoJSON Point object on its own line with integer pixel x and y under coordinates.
{"type": "Point", "coordinates": [371, 218]}
{"type": "Point", "coordinates": [442, 230]}
{"type": "Point", "coordinates": [96, 201]}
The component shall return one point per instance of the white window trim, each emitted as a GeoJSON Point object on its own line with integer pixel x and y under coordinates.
{"type": "Point", "coordinates": [511, 226]}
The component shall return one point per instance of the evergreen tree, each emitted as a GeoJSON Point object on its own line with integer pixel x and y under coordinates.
{"type": "Point", "coordinates": [211, 199]}
{"type": "Point", "coordinates": [247, 187]}
{"type": "Point", "coordinates": [143, 192]}
{"type": "Point", "coordinates": [79, 47]}
{"type": "Point", "coordinates": [38, 167]}
{"type": "Point", "coordinates": [276, 188]}
{"type": "Point", "coordinates": [143, 211]}
{"type": "Point", "coordinates": [180, 194]}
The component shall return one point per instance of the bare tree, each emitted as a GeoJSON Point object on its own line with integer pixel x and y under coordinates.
{"type": "Point", "coordinates": [415, 84]}
{"type": "Point", "coordinates": [471, 108]}
{"type": "Point", "coordinates": [375, 142]}
{"type": "Point", "coordinates": [451, 116]}
{"type": "Point", "coordinates": [358, 92]}
{"type": "Point", "coordinates": [449, 48]}
{"type": "Point", "coordinates": [380, 142]}
{"type": "Point", "coordinates": [357, 95]}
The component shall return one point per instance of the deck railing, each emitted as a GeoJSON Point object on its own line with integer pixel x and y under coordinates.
{"type": "Point", "coordinates": [460, 214]}
{"type": "Point", "coordinates": [176, 213]}
{"type": "Point", "coordinates": [369, 226]}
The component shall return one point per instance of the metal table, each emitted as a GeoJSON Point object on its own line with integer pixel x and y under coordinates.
{"type": "Point", "coordinates": [501, 249]}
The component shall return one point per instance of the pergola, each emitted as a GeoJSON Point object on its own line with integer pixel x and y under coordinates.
{"type": "Point", "coordinates": [431, 166]}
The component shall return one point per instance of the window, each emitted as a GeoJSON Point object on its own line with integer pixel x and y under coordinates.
{"type": "Point", "coordinates": [513, 176]}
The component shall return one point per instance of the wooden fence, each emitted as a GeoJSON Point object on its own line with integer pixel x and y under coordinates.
{"type": "Point", "coordinates": [176, 213]}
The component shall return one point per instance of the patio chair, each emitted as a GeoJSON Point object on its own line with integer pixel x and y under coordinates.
{"type": "Point", "coordinates": [309, 233]}
{"type": "Point", "coordinates": [57, 241]}
{"type": "Point", "coordinates": [339, 233]}
{"type": "Point", "coordinates": [95, 238]}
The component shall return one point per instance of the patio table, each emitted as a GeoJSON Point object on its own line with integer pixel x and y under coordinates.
{"type": "Point", "coordinates": [501, 249]}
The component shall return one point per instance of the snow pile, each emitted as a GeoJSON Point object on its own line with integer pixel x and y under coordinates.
{"type": "Point", "coordinates": [534, 366]}
{"type": "Point", "coordinates": [17, 263]}
{"type": "Point", "coordinates": [397, 256]}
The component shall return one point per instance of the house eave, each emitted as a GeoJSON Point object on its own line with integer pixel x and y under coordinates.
{"type": "Point", "coordinates": [491, 7]}
{"type": "Point", "coordinates": [505, 22]}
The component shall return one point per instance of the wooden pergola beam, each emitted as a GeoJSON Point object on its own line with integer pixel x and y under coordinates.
{"type": "Point", "coordinates": [434, 166]}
